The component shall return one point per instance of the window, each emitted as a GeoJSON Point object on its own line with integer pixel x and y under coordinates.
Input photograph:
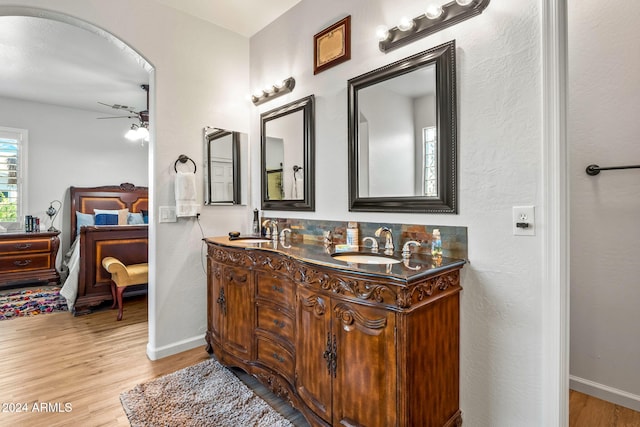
{"type": "Point", "coordinates": [430, 161]}
{"type": "Point", "coordinates": [13, 153]}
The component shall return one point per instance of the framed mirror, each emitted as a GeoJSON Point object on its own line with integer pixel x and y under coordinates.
{"type": "Point", "coordinates": [223, 158]}
{"type": "Point", "coordinates": [402, 135]}
{"type": "Point", "coordinates": [288, 150]}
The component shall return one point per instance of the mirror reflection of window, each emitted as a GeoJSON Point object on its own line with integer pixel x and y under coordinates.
{"type": "Point", "coordinates": [430, 167]}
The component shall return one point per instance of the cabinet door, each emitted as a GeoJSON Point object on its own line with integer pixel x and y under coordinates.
{"type": "Point", "coordinates": [216, 299]}
{"type": "Point", "coordinates": [238, 315]}
{"type": "Point", "coordinates": [364, 387]}
{"type": "Point", "coordinates": [313, 371]}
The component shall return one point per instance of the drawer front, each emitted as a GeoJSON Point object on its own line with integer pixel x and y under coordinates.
{"type": "Point", "coordinates": [26, 262]}
{"type": "Point", "coordinates": [275, 321]}
{"type": "Point", "coordinates": [18, 246]}
{"type": "Point", "coordinates": [276, 289]}
{"type": "Point", "coordinates": [276, 357]}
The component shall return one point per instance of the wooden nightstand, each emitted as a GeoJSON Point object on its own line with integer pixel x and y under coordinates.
{"type": "Point", "coordinates": [28, 258]}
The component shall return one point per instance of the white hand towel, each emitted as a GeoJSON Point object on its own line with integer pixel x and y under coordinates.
{"type": "Point", "coordinates": [185, 190]}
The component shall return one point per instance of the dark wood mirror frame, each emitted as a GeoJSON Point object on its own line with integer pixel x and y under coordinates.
{"type": "Point", "coordinates": [211, 135]}
{"type": "Point", "coordinates": [307, 203]}
{"type": "Point", "coordinates": [444, 58]}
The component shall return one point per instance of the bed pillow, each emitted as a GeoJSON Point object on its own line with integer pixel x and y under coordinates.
{"type": "Point", "coordinates": [135, 218]}
{"type": "Point", "coordinates": [121, 216]}
{"type": "Point", "coordinates": [83, 220]}
{"type": "Point", "coordinates": [106, 219]}
{"type": "Point", "coordinates": [145, 216]}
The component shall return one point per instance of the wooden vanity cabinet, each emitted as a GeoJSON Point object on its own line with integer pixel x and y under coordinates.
{"type": "Point", "coordinates": [230, 318]}
{"type": "Point", "coordinates": [345, 348]}
{"type": "Point", "coordinates": [346, 361]}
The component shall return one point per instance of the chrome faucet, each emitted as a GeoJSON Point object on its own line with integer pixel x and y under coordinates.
{"type": "Point", "coordinates": [406, 248]}
{"type": "Point", "coordinates": [388, 243]}
{"type": "Point", "coordinates": [271, 228]}
{"type": "Point", "coordinates": [374, 243]}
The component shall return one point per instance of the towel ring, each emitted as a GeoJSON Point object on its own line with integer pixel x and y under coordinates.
{"type": "Point", "coordinates": [183, 159]}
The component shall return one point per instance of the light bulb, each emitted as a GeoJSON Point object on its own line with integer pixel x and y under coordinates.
{"type": "Point", "coordinates": [132, 134]}
{"type": "Point", "coordinates": [382, 33]}
{"type": "Point", "coordinates": [405, 24]}
{"type": "Point", "coordinates": [279, 84]}
{"type": "Point", "coordinates": [433, 11]}
{"type": "Point", "coordinates": [464, 2]}
{"type": "Point", "coordinates": [143, 133]}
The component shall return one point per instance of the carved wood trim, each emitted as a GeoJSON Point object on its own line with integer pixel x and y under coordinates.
{"type": "Point", "coordinates": [350, 318]}
{"type": "Point", "coordinates": [314, 304]}
{"type": "Point", "coordinates": [395, 295]}
{"type": "Point", "coordinates": [274, 384]}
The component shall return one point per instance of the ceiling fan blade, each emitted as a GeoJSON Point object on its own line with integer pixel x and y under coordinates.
{"type": "Point", "coordinates": [118, 117]}
{"type": "Point", "coordinates": [120, 107]}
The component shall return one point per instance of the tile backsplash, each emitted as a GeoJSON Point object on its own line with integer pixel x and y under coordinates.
{"type": "Point", "coordinates": [454, 239]}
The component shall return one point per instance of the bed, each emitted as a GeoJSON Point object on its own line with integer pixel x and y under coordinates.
{"type": "Point", "coordinates": [88, 283]}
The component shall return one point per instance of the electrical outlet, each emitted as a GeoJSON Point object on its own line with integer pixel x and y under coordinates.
{"type": "Point", "coordinates": [167, 214]}
{"type": "Point", "coordinates": [524, 221]}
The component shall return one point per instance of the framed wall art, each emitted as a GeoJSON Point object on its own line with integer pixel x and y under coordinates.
{"type": "Point", "coordinates": [332, 45]}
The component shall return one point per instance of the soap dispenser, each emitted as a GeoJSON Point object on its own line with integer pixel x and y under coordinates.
{"type": "Point", "coordinates": [255, 229]}
{"type": "Point", "coordinates": [353, 238]}
{"type": "Point", "coordinates": [436, 243]}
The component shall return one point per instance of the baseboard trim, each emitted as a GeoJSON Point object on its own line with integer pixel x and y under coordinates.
{"type": "Point", "coordinates": [604, 392]}
{"type": "Point", "coordinates": [175, 348]}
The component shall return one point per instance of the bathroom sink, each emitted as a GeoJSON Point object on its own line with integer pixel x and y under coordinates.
{"type": "Point", "coordinates": [364, 258]}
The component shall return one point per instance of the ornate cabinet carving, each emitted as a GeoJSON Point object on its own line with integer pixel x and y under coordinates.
{"type": "Point", "coordinates": [347, 351]}
{"type": "Point", "coordinates": [345, 348]}
{"type": "Point", "coordinates": [230, 321]}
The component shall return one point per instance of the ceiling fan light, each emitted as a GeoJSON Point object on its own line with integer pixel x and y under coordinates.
{"type": "Point", "coordinates": [132, 134]}
{"type": "Point", "coordinates": [143, 133]}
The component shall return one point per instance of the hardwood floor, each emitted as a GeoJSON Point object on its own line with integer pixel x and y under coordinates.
{"type": "Point", "coordinates": [588, 411]}
{"type": "Point", "coordinates": [88, 361]}
{"type": "Point", "coordinates": [84, 361]}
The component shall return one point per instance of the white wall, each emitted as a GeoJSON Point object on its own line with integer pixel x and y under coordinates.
{"type": "Point", "coordinates": [603, 126]}
{"type": "Point", "coordinates": [70, 147]}
{"type": "Point", "coordinates": [500, 104]}
{"type": "Point", "coordinates": [201, 79]}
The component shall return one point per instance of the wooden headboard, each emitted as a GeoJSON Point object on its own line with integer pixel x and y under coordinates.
{"type": "Point", "coordinates": [126, 195]}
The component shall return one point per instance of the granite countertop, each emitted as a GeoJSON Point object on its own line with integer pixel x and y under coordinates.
{"type": "Point", "coordinates": [419, 266]}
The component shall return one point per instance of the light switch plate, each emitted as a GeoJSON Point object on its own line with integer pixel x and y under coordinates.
{"type": "Point", "coordinates": [524, 221]}
{"type": "Point", "coordinates": [167, 214]}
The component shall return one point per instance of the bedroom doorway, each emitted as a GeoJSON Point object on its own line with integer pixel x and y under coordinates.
{"type": "Point", "coordinates": [64, 80]}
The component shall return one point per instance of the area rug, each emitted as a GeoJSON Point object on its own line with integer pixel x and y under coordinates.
{"type": "Point", "coordinates": [30, 302]}
{"type": "Point", "coordinates": [206, 394]}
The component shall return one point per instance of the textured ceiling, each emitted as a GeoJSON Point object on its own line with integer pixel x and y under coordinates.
{"type": "Point", "coordinates": [56, 63]}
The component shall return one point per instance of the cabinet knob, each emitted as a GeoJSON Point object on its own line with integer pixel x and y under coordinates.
{"type": "Point", "coordinates": [278, 289]}
{"type": "Point", "coordinates": [22, 263]}
{"type": "Point", "coordinates": [279, 323]}
{"type": "Point", "coordinates": [23, 246]}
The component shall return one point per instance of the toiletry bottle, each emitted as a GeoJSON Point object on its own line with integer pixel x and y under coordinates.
{"type": "Point", "coordinates": [353, 238]}
{"type": "Point", "coordinates": [255, 228]}
{"type": "Point", "coordinates": [436, 244]}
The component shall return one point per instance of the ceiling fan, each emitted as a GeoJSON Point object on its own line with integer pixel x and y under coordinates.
{"type": "Point", "coordinates": [138, 131]}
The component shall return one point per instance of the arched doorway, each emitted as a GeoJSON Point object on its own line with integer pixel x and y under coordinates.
{"type": "Point", "coordinates": [87, 66]}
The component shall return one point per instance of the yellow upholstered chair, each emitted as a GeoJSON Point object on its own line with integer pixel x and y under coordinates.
{"type": "Point", "coordinates": [123, 276]}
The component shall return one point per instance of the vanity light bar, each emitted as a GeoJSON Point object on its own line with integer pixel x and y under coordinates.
{"type": "Point", "coordinates": [274, 91]}
{"type": "Point", "coordinates": [434, 19]}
